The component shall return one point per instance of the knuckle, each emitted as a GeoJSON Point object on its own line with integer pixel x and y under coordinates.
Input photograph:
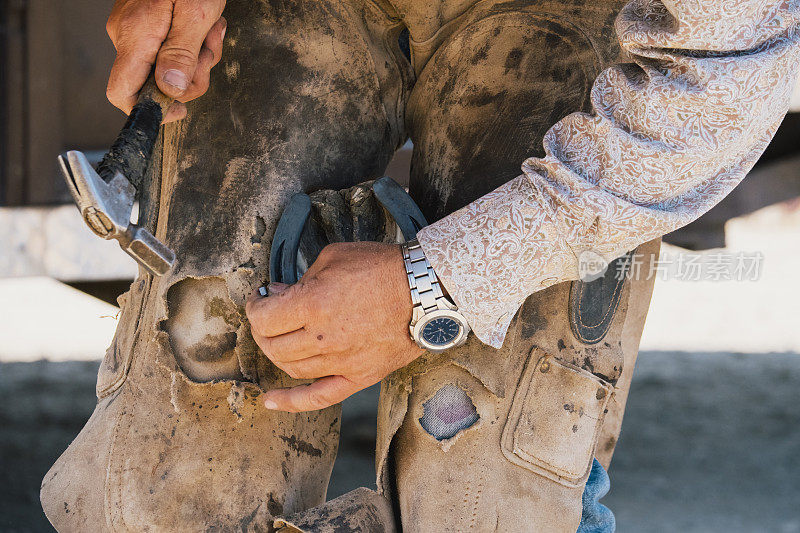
{"type": "Point", "coordinates": [200, 86]}
{"type": "Point", "coordinates": [358, 371]}
{"type": "Point", "coordinates": [308, 283]}
{"type": "Point", "coordinates": [111, 28]}
{"type": "Point", "coordinates": [135, 14]}
{"type": "Point", "coordinates": [117, 17]}
{"type": "Point", "coordinates": [202, 11]}
{"type": "Point", "coordinates": [114, 98]}
{"type": "Point", "coordinates": [205, 60]}
{"type": "Point", "coordinates": [254, 310]}
{"type": "Point", "coordinates": [249, 309]}
{"type": "Point", "coordinates": [111, 94]}
{"type": "Point", "coordinates": [194, 92]}
{"type": "Point", "coordinates": [258, 331]}
{"type": "Point", "coordinates": [256, 326]}
{"type": "Point", "coordinates": [178, 55]}
{"type": "Point", "coordinates": [213, 8]}
{"type": "Point", "coordinates": [293, 292]}
{"type": "Point", "coordinates": [316, 400]}
{"type": "Point", "coordinates": [362, 375]}
{"type": "Point", "coordinates": [279, 355]}
{"type": "Point", "coordinates": [337, 248]}
{"type": "Point", "coordinates": [327, 253]}
{"type": "Point", "coordinates": [267, 347]}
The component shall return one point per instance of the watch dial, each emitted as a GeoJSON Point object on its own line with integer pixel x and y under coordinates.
{"type": "Point", "coordinates": [440, 331]}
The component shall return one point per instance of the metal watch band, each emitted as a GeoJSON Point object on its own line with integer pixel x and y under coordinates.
{"type": "Point", "coordinates": [425, 289]}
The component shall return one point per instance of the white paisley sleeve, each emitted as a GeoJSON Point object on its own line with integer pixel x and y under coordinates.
{"type": "Point", "coordinates": [669, 136]}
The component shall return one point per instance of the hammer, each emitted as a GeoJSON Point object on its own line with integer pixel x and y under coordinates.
{"type": "Point", "coordinates": [105, 197]}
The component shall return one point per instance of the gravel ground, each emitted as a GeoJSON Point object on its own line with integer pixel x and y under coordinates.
{"type": "Point", "coordinates": [43, 405]}
{"type": "Point", "coordinates": [711, 442]}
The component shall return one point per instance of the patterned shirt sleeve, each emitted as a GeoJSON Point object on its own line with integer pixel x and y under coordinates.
{"type": "Point", "coordinates": [669, 136]}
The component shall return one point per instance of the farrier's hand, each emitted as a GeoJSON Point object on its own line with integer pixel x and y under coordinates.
{"type": "Point", "coordinates": [183, 38]}
{"type": "Point", "coordinates": [345, 322]}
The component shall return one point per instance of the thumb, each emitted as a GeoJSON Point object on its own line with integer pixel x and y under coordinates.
{"type": "Point", "coordinates": [319, 394]}
{"type": "Point", "coordinates": [276, 288]}
{"type": "Point", "coordinates": [178, 56]}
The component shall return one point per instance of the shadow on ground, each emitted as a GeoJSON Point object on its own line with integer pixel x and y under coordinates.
{"type": "Point", "coordinates": [711, 441]}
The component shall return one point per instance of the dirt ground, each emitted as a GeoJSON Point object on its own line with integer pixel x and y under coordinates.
{"type": "Point", "coordinates": [711, 441]}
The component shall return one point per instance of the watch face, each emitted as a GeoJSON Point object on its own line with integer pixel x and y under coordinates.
{"type": "Point", "coordinates": [440, 331]}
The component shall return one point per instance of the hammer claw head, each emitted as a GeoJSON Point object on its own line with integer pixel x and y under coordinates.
{"type": "Point", "coordinates": [106, 208]}
{"type": "Point", "coordinates": [66, 171]}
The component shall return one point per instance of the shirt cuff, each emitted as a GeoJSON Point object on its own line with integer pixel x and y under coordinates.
{"type": "Point", "coordinates": [476, 252]}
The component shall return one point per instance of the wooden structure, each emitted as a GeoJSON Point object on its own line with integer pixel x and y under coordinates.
{"type": "Point", "coordinates": [54, 62]}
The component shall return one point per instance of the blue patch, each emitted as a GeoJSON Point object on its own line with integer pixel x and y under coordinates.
{"type": "Point", "coordinates": [449, 411]}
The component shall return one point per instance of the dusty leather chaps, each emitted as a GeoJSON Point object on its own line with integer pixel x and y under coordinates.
{"type": "Point", "coordinates": [317, 95]}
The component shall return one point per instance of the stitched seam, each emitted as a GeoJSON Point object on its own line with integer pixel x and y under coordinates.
{"type": "Point", "coordinates": [374, 70]}
{"type": "Point", "coordinates": [538, 17]}
{"type": "Point", "coordinates": [402, 94]}
{"type": "Point", "coordinates": [614, 307]}
{"type": "Point", "coordinates": [110, 518]}
{"type": "Point", "coordinates": [551, 17]}
{"type": "Point", "coordinates": [583, 338]}
{"type": "Point", "coordinates": [383, 11]}
{"type": "Point", "coordinates": [611, 307]}
{"type": "Point", "coordinates": [117, 383]}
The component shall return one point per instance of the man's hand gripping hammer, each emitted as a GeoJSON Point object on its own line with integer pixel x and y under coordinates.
{"type": "Point", "coordinates": [105, 197]}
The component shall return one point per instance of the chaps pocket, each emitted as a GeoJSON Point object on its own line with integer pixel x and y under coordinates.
{"type": "Point", "coordinates": [555, 420]}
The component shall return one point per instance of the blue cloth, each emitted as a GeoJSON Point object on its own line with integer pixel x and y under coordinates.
{"type": "Point", "coordinates": [596, 517]}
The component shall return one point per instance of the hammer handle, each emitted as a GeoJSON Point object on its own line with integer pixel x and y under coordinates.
{"type": "Point", "coordinates": [150, 91]}
{"type": "Point", "coordinates": [130, 154]}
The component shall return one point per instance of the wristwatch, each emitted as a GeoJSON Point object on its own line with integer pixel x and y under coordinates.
{"type": "Point", "coordinates": [436, 325]}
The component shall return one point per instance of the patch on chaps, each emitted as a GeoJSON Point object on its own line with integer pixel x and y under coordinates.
{"type": "Point", "coordinates": [593, 304]}
{"type": "Point", "coordinates": [447, 412]}
{"type": "Point", "coordinates": [202, 328]}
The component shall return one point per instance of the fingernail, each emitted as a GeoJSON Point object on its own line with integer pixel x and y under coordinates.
{"type": "Point", "coordinates": [276, 288]}
{"type": "Point", "coordinates": [269, 404]}
{"type": "Point", "coordinates": [177, 79]}
{"type": "Point", "coordinates": [224, 30]}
